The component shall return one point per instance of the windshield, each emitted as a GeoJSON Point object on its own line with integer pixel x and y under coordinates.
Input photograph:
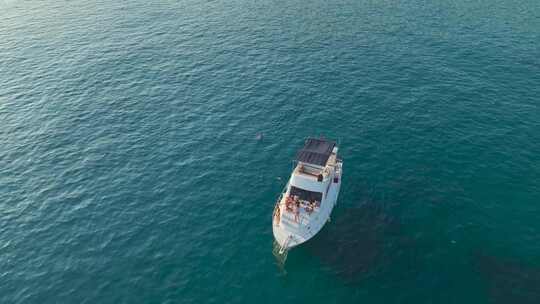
{"type": "Point", "coordinates": [306, 195]}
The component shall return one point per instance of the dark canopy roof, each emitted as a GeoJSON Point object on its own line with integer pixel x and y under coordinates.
{"type": "Point", "coordinates": [316, 151]}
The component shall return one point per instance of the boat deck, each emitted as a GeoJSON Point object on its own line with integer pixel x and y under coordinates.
{"type": "Point", "coordinates": [304, 217]}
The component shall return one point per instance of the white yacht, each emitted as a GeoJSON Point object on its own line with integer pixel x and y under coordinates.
{"type": "Point", "coordinates": [307, 200]}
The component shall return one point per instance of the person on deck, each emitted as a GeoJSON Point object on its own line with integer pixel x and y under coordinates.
{"type": "Point", "coordinates": [296, 209]}
{"type": "Point", "coordinates": [289, 203]}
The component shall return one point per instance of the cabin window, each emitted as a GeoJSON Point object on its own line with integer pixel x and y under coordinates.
{"type": "Point", "coordinates": [305, 195]}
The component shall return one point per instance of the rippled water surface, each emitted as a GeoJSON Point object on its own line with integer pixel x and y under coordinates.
{"type": "Point", "coordinates": [131, 172]}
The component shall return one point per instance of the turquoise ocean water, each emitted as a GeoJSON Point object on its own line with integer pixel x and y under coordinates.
{"type": "Point", "coordinates": [130, 171]}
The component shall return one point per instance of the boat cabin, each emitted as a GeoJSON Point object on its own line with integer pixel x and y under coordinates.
{"type": "Point", "coordinates": [314, 170]}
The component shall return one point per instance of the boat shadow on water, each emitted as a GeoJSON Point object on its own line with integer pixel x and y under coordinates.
{"type": "Point", "coordinates": [358, 242]}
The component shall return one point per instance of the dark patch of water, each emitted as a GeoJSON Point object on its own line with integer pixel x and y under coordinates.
{"type": "Point", "coordinates": [360, 242]}
{"type": "Point", "coordinates": [508, 280]}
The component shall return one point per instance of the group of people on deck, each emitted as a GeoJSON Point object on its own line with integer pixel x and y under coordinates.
{"type": "Point", "coordinates": [293, 203]}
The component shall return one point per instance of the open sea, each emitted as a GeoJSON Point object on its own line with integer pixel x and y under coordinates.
{"type": "Point", "coordinates": [132, 170]}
